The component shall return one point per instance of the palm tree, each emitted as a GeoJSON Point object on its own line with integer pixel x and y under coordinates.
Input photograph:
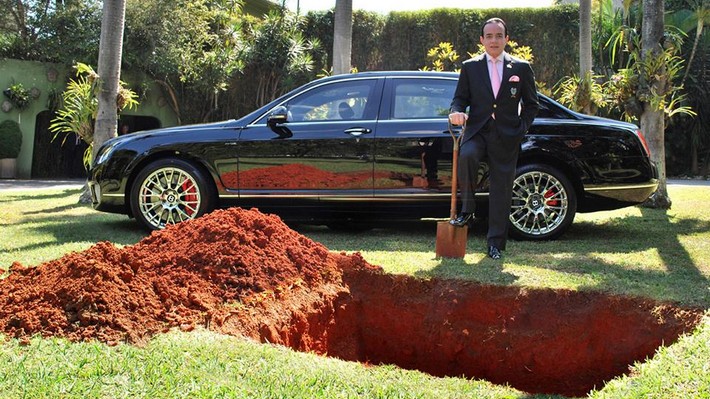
{"type": "Point", "coordinates": [652, 118]}
{"type": "Point", "coordinates": [109, 69]}
{"type": "Point", "coordinates": [696, 17]}
{"type": "Point", "coordinates": [700, 14]}
{"type": "Point", "coordinates": [585, 46]}
{"type": "Point", "coordinates": [342, 36]}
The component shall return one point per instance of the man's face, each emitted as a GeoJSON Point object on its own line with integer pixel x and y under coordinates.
{"type": "Point", "coordinates": [494, 39]}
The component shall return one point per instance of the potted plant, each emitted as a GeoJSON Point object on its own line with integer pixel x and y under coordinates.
{"type": "Point", "coordinates": [10, 143]}
{"type": "Point", "coordinates": [18, 95]}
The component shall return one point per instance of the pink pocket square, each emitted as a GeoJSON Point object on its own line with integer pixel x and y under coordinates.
{"type": "Point", "coordinates": [514, 78]}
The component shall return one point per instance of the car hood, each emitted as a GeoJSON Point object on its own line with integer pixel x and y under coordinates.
{"type": "Point", "coordinates": [609, 122]}
{"type": "Point", "coordinates": [172, 131]}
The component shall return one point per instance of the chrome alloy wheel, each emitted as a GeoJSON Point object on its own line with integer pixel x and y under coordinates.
{"type": "Point", "coordinates": [540, 203]}
{"type": "Point", "coordinates": [168, 196]}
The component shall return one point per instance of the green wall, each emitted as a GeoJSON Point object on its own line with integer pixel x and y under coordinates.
{"type": "Point", "coordinates": [44, 78]}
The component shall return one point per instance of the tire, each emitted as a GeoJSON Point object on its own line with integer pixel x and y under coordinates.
{"type": "Point", "coordinates": [170, 191]}
{"type": "Point", "coordinates": [544, 203]}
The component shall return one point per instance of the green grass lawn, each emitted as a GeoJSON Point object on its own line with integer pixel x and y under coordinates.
{"type": "Point", "coordinates": [663, 255]}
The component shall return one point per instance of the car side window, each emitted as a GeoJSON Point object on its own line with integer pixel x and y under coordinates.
{"type": "Point", "coordinates": [333, 102]}
{"type": "Point", "coordinates": [422, 98]}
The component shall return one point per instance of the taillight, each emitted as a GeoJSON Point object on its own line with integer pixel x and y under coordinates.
{"type": "Point", "coordinates": [643, 142]}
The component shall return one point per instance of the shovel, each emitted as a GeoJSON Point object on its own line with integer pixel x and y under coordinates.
{"type": "Point", "coordinates": [451, 240]}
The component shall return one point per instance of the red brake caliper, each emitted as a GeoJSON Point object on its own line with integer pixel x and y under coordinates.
{"type": "Point", "coordinates": [189, 192]}
{"type": "Point", "coordinates": [549, 194]}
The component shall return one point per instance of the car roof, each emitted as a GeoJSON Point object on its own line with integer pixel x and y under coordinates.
{"type": "Point", "coordinates": [391, 74]}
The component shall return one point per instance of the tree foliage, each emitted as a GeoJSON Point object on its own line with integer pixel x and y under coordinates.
{"type": "Point", "coordinates": [279, 57]}
{"type": "Point", "coordinates": [79, 107]}
{"type": "Point", "coordinates": [49, 30]}
{"type": "Point", "coordinates": [693, 18]}
{"type": "Point", "coordinates": [627, 80]}
{"type": "Point", "coordinates": [191, 47]}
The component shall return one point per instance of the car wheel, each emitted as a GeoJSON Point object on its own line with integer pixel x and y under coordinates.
{"type": "Point", "coordinates": [544, 203]}
{"type": "Point", "coordinates": [169, 191]}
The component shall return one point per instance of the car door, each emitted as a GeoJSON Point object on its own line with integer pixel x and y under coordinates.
{"type": "Point", "coordinates": [322, 146]}
{"type": "Point", "coordinates": [413, 155]}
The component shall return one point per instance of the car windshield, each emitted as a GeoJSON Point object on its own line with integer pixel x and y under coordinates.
{"type": "Point", "coordinates": [347, 100]}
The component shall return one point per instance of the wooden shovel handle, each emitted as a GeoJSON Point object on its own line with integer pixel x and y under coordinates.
{"type": "Point", "coordinates": [454, 173]}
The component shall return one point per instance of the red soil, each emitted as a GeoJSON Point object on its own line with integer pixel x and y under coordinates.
{"type": "Point", "coordinates": [186, 275]}
{"type": "Point", "coordinates": [241, 272]}
{"type": "Point", "coordinates": [539, 341]}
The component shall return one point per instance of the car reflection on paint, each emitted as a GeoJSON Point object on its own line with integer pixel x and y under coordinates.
{"type": "Point", "coordinates": [364, 148]}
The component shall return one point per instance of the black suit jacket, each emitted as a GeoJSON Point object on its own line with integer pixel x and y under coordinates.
{"type": "Point", "coordinates": [517, 88]}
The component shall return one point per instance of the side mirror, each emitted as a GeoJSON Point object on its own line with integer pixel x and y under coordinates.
{"type": "Point", "coordinates": [277, 117]}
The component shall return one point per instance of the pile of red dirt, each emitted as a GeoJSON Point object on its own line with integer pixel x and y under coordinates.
{"type": "Point", "coordinates": [196, 273]}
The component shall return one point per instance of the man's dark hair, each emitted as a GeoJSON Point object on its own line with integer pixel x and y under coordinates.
{"type": "Point", "coordinates": [495, 21]}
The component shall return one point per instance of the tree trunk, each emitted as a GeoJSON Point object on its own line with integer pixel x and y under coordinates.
{"type": "Point", "coordinates": [109, 70]}
{"type": "Point", "coordinates": [701, 12]}
{"type": "Point", "coordinates": [585, 47]}
{"type": "Point", "coordinates": [342, 36]}
{"type": "Point", "coordinates": [652, 118]}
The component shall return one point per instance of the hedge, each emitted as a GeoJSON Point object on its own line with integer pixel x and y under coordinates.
{"type": "Point", "coordinates": [400, 40]}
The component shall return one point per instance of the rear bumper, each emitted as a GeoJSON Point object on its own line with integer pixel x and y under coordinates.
{"type": "Point", "coordinates": [627, 193]}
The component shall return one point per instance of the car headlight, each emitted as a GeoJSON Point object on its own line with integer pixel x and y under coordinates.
{"type": "Point", "coordinates": [104, 153]}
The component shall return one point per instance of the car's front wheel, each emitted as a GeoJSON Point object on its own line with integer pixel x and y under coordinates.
{"type": "Point", "coordinates": [544, 203]}
{"type": "Point", "coordinates": [169, 191]}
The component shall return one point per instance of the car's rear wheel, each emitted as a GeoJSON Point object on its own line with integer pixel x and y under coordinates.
{"type": "Point", "coordinates": [544, 203]}
{"type": "Point", "coordinates": [169, 191]}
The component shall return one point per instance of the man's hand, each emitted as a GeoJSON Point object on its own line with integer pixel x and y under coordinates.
{"type": "Point", "coordinates": [458, 118]}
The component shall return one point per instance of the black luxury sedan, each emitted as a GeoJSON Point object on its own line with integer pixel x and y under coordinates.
{"type": "Point", "coordinates": [358, 149]}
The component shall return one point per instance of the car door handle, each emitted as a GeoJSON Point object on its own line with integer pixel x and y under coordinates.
{"type": "Point", "coordinates": [357, 131]}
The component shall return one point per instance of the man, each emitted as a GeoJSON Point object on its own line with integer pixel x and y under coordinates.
{"type": "Point", "coordinates": [499, 91]}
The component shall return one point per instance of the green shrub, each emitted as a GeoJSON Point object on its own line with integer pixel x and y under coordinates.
{"type": "Point", "coordinates": [10, 139]}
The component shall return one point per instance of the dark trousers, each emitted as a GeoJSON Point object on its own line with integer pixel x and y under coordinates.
{"type": "Point", "coordinates": [501, 152]}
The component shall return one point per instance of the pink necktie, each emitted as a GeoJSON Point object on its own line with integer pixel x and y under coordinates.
{"type": "Point", "coordinates": [495, 78]}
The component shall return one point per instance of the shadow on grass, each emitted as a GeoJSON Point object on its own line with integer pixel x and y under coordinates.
{"type": "Point", "coordinates": [118, 229]}
{"type": "Point", "coordinates": [60, 222]}
{"type": "Point", "coordinates": [38, 195]}
{"type": "Point", "coordinates": [678, 279]}
{"type": "Point", "coordinates": [586, 253]}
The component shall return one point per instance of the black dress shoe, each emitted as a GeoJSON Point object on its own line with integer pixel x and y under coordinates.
{"type": "Point", "coordinates": [494, 252]}
{"type": "Point", "coordinates": [462, 219]}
